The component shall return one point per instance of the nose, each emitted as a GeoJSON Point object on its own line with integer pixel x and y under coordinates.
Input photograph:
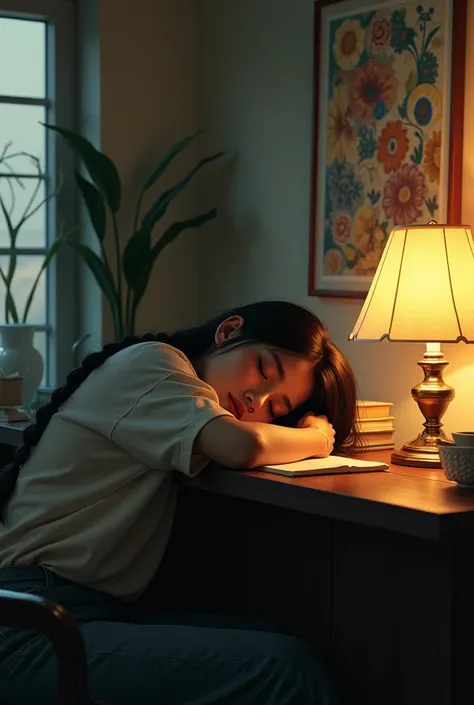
{"type": "Point", "coordinates": [255, 401]}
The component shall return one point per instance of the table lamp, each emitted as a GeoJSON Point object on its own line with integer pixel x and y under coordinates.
{"type": "Point", "coordinates": [423, 292]}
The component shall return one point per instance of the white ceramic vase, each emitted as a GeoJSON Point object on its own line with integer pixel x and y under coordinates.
{"type": "Point", "coordinates": [18, 355]}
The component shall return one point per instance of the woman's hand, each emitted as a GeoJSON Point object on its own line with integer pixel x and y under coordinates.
{"type": "Point", "coordinates": [324, 433]}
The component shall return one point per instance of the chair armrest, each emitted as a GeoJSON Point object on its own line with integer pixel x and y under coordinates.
{"type": "Point", "coordinates": [24, 611]}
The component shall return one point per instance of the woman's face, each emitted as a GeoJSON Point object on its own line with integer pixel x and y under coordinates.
{"type": "Point", "coordinates": [256, 382]}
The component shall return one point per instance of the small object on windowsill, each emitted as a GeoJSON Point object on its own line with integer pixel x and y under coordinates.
{"type": "Point", "coordinates": [10, 389]}
{"type": "Point", "coordinates": [13, 414]}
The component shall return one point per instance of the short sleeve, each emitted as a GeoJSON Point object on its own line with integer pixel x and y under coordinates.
{"type": "Point", "coordinates": [161, 426]}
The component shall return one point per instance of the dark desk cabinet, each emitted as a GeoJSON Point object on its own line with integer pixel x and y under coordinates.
{"type": "Point", "coordinates": [376, 570]}
{"type": "Point", "coordinates": [392, 609]}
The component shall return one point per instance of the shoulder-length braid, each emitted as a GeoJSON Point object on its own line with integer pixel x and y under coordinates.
{"type": "Point", "coordinates": [33, 432]}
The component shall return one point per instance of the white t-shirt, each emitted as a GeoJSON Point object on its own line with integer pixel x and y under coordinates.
{"type": "Point", "coordinates": [96, 499]}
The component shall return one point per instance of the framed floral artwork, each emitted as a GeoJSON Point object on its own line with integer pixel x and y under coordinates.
{"type": "Point", "coordinates": [388, 125]}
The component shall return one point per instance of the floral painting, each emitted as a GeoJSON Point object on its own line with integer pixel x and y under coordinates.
{"type": "Point", "coordinates": [383, 132]}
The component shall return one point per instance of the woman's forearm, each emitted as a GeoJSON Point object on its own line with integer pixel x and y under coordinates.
{"type": "Point", "coordinates": [244, 445]}
{"type": "Point", "coordinates": [278, 444]}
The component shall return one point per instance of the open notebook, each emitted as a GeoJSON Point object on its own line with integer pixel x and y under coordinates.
{"type": "Point", "coordinates": [334, 465]}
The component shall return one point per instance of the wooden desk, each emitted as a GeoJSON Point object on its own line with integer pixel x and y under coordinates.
{"type": "Point", "coordinates": [376, 570]}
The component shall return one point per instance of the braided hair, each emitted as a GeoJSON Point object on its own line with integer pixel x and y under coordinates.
{"type": "Point", "coordinates": [32, 433]}
{"type": "Point", "coordinates": [278, 324]}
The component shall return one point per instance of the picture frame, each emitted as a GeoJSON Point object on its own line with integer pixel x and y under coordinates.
{"type": "Point", "coordinates": [387, 130]}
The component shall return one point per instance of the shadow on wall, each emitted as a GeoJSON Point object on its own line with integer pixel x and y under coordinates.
{"type": "Point", "coordinates": [232, 240]}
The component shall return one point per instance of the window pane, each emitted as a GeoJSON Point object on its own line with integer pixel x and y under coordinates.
{"type": "Point", "coordinates": [27, 268]}
{"type": "Point", "coordinates": [17, 197]}
{"type": "Point", "coordinates": [20, 124]}
{"type": "Point", "coordinates": [22, 58]}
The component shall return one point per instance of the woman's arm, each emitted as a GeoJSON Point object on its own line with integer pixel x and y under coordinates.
{"type": "Point", "coordinates": [245, 445]}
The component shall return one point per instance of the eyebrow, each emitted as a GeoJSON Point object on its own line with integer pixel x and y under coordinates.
{"type": "Point", "coordinates": [281, 376]}
{"type": "Point", "coordinates": [281, 371]}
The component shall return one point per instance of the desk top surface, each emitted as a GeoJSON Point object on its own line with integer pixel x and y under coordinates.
{"type": "Point", "coordinates": [409, 500]}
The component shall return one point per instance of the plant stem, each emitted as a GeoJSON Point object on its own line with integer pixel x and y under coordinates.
{"type": "Point", "coordinates": [104, 254]}
{"type": "Point", "coordinates": [133, 311]}
{"type": "Point", "coordinates": [118, 327]}
{"type": "Point", "coordinates": [27, 214]}
{"type": "Point", "coordinates": [137, 212]}
{"type": "Point", "coordinates": [129, 317]}
{"type": "Point", "coordinates": [128, 313]}
{"type": "Point", "coordinates": [119, 275]}
{"type": "Point", "coordinates": [10, 308]}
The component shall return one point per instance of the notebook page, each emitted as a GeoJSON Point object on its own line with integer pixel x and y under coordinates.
{"type": "Point", "coordinates": [333, 461]}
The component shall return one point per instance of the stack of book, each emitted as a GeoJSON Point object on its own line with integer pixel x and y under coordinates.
{"type": "Point", "coordinates": [375, 425]}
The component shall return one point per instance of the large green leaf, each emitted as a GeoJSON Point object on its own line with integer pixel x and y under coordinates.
{"type": "Point", "coordinates": [177, 228]}
{"type": "Point", "coordinates": [136, 256]}
{"type": "Point", "coordinates": [160, 206]}
{"type": "Point", "coordinates": [49, 256]}
{"type": "Point", "coordinates": [95, 205]}
{"type": "Point", "coordinates": [100, 271]}
{"type": "Point", "coordinates": [168, 158]}
{"type": "Point", "coordinates": [142, 274]}
{"type": "Point", "coordinates": [101, 168]}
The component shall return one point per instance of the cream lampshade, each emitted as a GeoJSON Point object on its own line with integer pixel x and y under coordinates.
{"type": "Point", "coordinates": [423, 291]}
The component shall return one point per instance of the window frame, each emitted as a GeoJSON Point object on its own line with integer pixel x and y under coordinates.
{"type": "Point", "coordinates": [62, 310]}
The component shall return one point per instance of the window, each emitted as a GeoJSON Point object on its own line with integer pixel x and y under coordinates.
{"type": "Point", "coordinates": [37, 86]}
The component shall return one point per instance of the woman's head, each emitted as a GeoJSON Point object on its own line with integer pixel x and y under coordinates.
{"type": "Point", "coordinates": [273, 362]}
{"type": "Point", "coordinates": [253, 380]}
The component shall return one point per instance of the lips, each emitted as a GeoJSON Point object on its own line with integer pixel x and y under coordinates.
{"type": "Point", "coordinates": [236, 407]}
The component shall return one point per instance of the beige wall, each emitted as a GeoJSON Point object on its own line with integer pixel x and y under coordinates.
{"type": "Point", "coordinates": [140, 58]}
{"type": "Point", "coordinates": [255, 93]}
{"type": "Point", "coordinates": [252, 90]}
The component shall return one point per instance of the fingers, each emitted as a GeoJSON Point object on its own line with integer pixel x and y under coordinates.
{"type": "Point", "coordinates": [306, 421]}
{"type": "Point", "coordinates": [311, 419]}
{"type": "Point", "coordinates": [323, 427]}
{"type": "Point", "coordinates": [329, 443]}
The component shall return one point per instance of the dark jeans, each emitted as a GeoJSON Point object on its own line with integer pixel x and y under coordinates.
{"type": "Point", "coordinates": [138, 658]}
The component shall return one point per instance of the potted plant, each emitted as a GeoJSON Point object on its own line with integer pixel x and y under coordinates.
{"type": "Point", "coordinates": [17, 352]}
{"type": "Point", "coordinates": [125, 281]}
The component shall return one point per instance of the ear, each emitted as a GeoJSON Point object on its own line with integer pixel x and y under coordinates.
{"type": "Point", "coordinates": [228, 329]}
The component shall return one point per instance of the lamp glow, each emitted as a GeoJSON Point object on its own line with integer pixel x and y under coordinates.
{"type": "Point", "coordinates": [423, 291]}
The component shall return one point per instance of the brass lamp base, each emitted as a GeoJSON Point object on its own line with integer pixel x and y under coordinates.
{"type": "Point", "coordinates": [418, 454]}
{"type": "Point", "coordinates": [433, 396]}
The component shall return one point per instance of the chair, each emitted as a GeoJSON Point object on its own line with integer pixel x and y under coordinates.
{"type": "Point", "coordinates": [24, 611]}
